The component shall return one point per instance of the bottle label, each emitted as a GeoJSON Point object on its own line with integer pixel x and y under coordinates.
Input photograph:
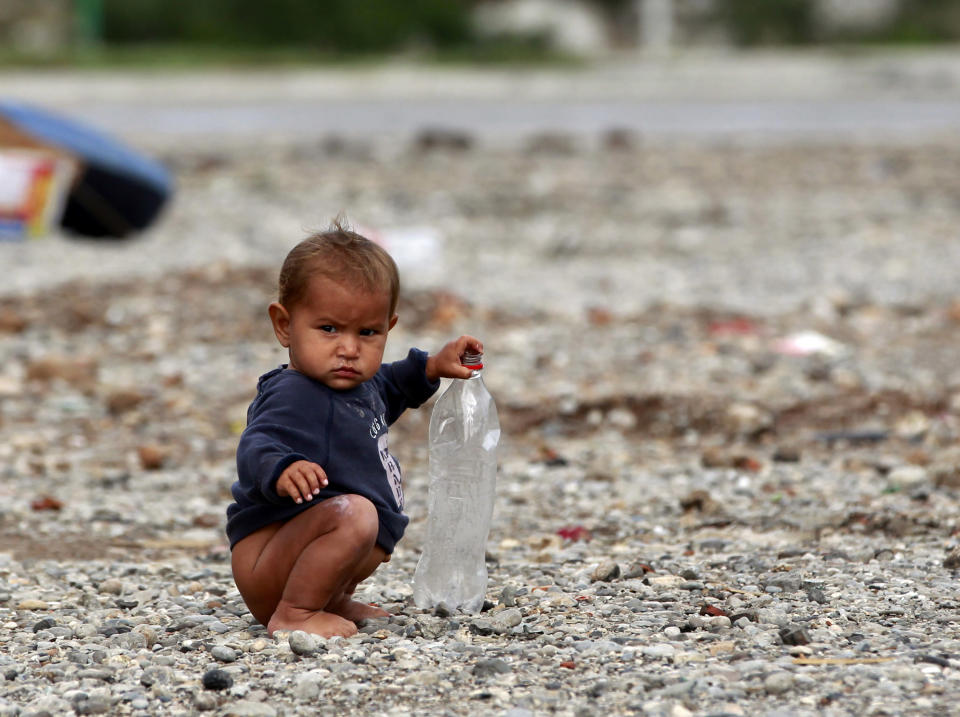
{"type": "Point", "coordinates": [392, 468]}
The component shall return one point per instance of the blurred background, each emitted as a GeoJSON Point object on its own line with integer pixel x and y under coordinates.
{"type": "Point", "coordinates": [91, 32]}
{"type": "Point", "coordinates": [680, 227]}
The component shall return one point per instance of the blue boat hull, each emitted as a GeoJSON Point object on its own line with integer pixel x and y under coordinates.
{"type": "Point", "coordinates": [118, 191]}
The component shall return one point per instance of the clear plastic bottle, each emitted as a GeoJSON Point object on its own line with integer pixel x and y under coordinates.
{"type": "Point", "coordinates": [464, 433]}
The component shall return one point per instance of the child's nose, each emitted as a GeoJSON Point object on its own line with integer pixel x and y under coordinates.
{"type": "Point", "coordinates": [348, 345]}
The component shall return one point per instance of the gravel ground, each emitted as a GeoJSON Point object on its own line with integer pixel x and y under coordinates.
{"type": "Point", "coordinates": [728, 382]}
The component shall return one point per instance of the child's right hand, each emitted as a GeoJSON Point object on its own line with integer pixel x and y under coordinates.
{"type": "Point", "coordinates": [301, 480]}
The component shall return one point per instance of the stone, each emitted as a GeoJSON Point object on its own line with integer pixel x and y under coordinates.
{"type": "Point", "coordinates": [488, 668]}
{"type": "Point", "coordinates": [224, 653]}
{"type": "Point", "coordinates": [952, 561]}
{"type": "Point", "coordinates": [793, 635]}
{"type": "Point", "coordinates": [606, 571]}
{"type": "Point", "coordinates": [776, 683]}
{"type": "Point", "coordinates": [504, 620]}
{"type": "Point", "coordinates": [216, 679]}
{"type": "Point", "coordinates": [248, 708]}
{"type": "Point", "coordinates": [302, 643]}
{"type": "Point", "coordinates": [508, 596]}
{"type": "Point", "coordinates": [307, 687]}
{"type": "Point", "coordinates": [155, 675]}
{"type": "Point", "coordinates": [205, 702]}
{"type": "Point", "coordinates": [111, 586]}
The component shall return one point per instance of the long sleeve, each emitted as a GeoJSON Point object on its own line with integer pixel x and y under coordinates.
{"type": "Point", "coordinates": [403, 384]}
{"type": "Point", "coordinates": [283, 428]}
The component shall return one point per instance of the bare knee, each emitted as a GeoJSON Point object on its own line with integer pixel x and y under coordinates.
{"type": "Point", "coordinates": [358, 519]}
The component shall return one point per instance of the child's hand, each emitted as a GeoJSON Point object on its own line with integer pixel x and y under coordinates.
{"type": "Point", "coordinates": [446, 362]}
{"type": "Point", "coordinates": [301, 481]}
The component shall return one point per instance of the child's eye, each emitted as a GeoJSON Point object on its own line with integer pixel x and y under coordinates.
{"type": "Point", "coordinates": [368, 332]}
{"type": "Point", "coordinates": [327, 329]}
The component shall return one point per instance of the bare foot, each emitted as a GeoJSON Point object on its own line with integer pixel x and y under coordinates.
{"type": "Point", "coordinates": [316, 622]}
{"type": "Point", "coordinates": [355, 611]}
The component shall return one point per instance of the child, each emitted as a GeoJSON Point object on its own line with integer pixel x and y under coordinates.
{"type": "Point", "coordinates": [318, 504]}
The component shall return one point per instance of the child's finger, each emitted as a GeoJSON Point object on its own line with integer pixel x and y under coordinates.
{"type": "Point", "coordinates": [295, 492]}
{"type": "Point", "coordinates": [304, 479]}
{"type": "Point", "coordinates": [288, 487]}
{"type": "Point", "coordinates": [316, 478]}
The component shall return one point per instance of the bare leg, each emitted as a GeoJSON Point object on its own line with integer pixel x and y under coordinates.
{"type": "Point", "coordinates": [343, 604]}
{"type": "Point", "coordinates": [289, 573]}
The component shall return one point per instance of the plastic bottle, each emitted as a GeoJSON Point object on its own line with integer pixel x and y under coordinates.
{"type": "Point", "coordinates": [464, 433]}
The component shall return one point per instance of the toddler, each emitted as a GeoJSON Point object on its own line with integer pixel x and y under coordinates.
{"type": "Point", "coordinates": [319, 500]}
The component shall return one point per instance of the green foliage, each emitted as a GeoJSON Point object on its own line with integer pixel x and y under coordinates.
{"type": "Point", "coordinates": [330, 26]}
{"type": "Point", "coordinates": [768, 22]}
{"type": "Point", "coordinates": [929, 21]}
{"type": "Point", "coordinates": [793, 22]}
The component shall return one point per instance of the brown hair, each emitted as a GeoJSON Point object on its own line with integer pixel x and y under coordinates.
{"type": "Point", "coordinates": [338, 253]}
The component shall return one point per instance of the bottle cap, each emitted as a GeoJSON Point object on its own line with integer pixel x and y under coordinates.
{"type": "Point", "coordinates": [472, 359]}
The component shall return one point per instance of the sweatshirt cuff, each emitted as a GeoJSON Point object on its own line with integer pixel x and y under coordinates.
{"type": "Point", "coordinates": [270, 490]}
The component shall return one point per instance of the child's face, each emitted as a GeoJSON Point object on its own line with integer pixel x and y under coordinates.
{"type": "Point", "coordinates": [335, 334]}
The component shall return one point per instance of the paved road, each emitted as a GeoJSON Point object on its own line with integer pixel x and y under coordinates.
{"type": "Point", "coordinates": [758, 96]}
{"type": "Point", "coordinates": [493, 118]}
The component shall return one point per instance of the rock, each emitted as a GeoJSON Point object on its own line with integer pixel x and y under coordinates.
{"type": "Point", "coordinates": [952, 561]}
{"type": "Point", "coordinates": [906, 477]}
{"type": "Point", "coordinates": [248, 708]}
{"type": "Point", "coordinates": [605, 572]}
{"type": "Point", "coordinates": [44, 624]}
{"type": "Point", "coordinates": [124, 400]}
{"type": "Point", "coordinates": [302, 643]}
{"type": "Point", "coordinates": [152, 457]}
{"type": "Point", "coordinates": [776, 683]}
{"type": "Point", "coordinates": [431, 627]}
{"type": "Point", "coordinates": [946, 474]}
{"type": "Point", "coordinates": [205, 702]}
{"type": "Point", "coordinates": [224, 653]}
{"type": "Point", "coordinates": [701, 501]}
{"type": "Point", "coordinates": [793, 635]}
{"type": "Point", "coordinates": [637, 569]}
{"type": "Point", "coordinates": [93, 704]}
{"type": "Point", "coordinates": [72, 370]}
{"type": "Point", "coordinates": [504, 620]}
{"type": "Point", "coordinates": [155, 675]}
{"type": "Point", "coordinates": [662, 651]}
{"type": "Point", "coordinates": [786, 453]}
{"type": "Point", "coordinates": [482, 626]}
{"type": "Point", "coordinates": [307, 687]}
{"type": "Point", "coordinates": [558, 601]}
{"type": "Point", "coordinates": [217, 680]}
{"type": "Point", "coordinates": [747, 419]}
{"type": "Point", "coordinates": [489, 668]}
{"type": "Point", "coordinates": [111, 586]}
{"type": "Point", "coordinates": [508, 596]}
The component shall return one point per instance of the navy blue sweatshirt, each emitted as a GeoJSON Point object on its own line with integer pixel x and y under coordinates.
{"type": "Point", "coordinates": [294, 418]}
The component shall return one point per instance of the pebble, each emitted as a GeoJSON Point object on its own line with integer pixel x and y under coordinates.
{"type": "Point", "coordinates": [302, 643]}
{"type": "Point", "coordinates": [504, 620]}
{"type": "Point", "coordinates": [605, 571]}
{"type": "Point", "coordinates": [248, 708]}
{"type": "Point", "coordinates": [224, 653]}
{"type": "Point", "coordinates": [217, 679]}
{"type": "Point", "coordinates": [777, 683]}
{"type": "Point", "coordinates": [487, 668]}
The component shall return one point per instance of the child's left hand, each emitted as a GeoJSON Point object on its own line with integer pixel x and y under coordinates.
{"type": "Point", "coordinates": [446, 362]}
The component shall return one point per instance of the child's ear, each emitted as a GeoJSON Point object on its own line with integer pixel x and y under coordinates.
{"type": "Point", "coordinates": [393, 322]}
{"type": "Point", "coordinates": [280, 318]}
